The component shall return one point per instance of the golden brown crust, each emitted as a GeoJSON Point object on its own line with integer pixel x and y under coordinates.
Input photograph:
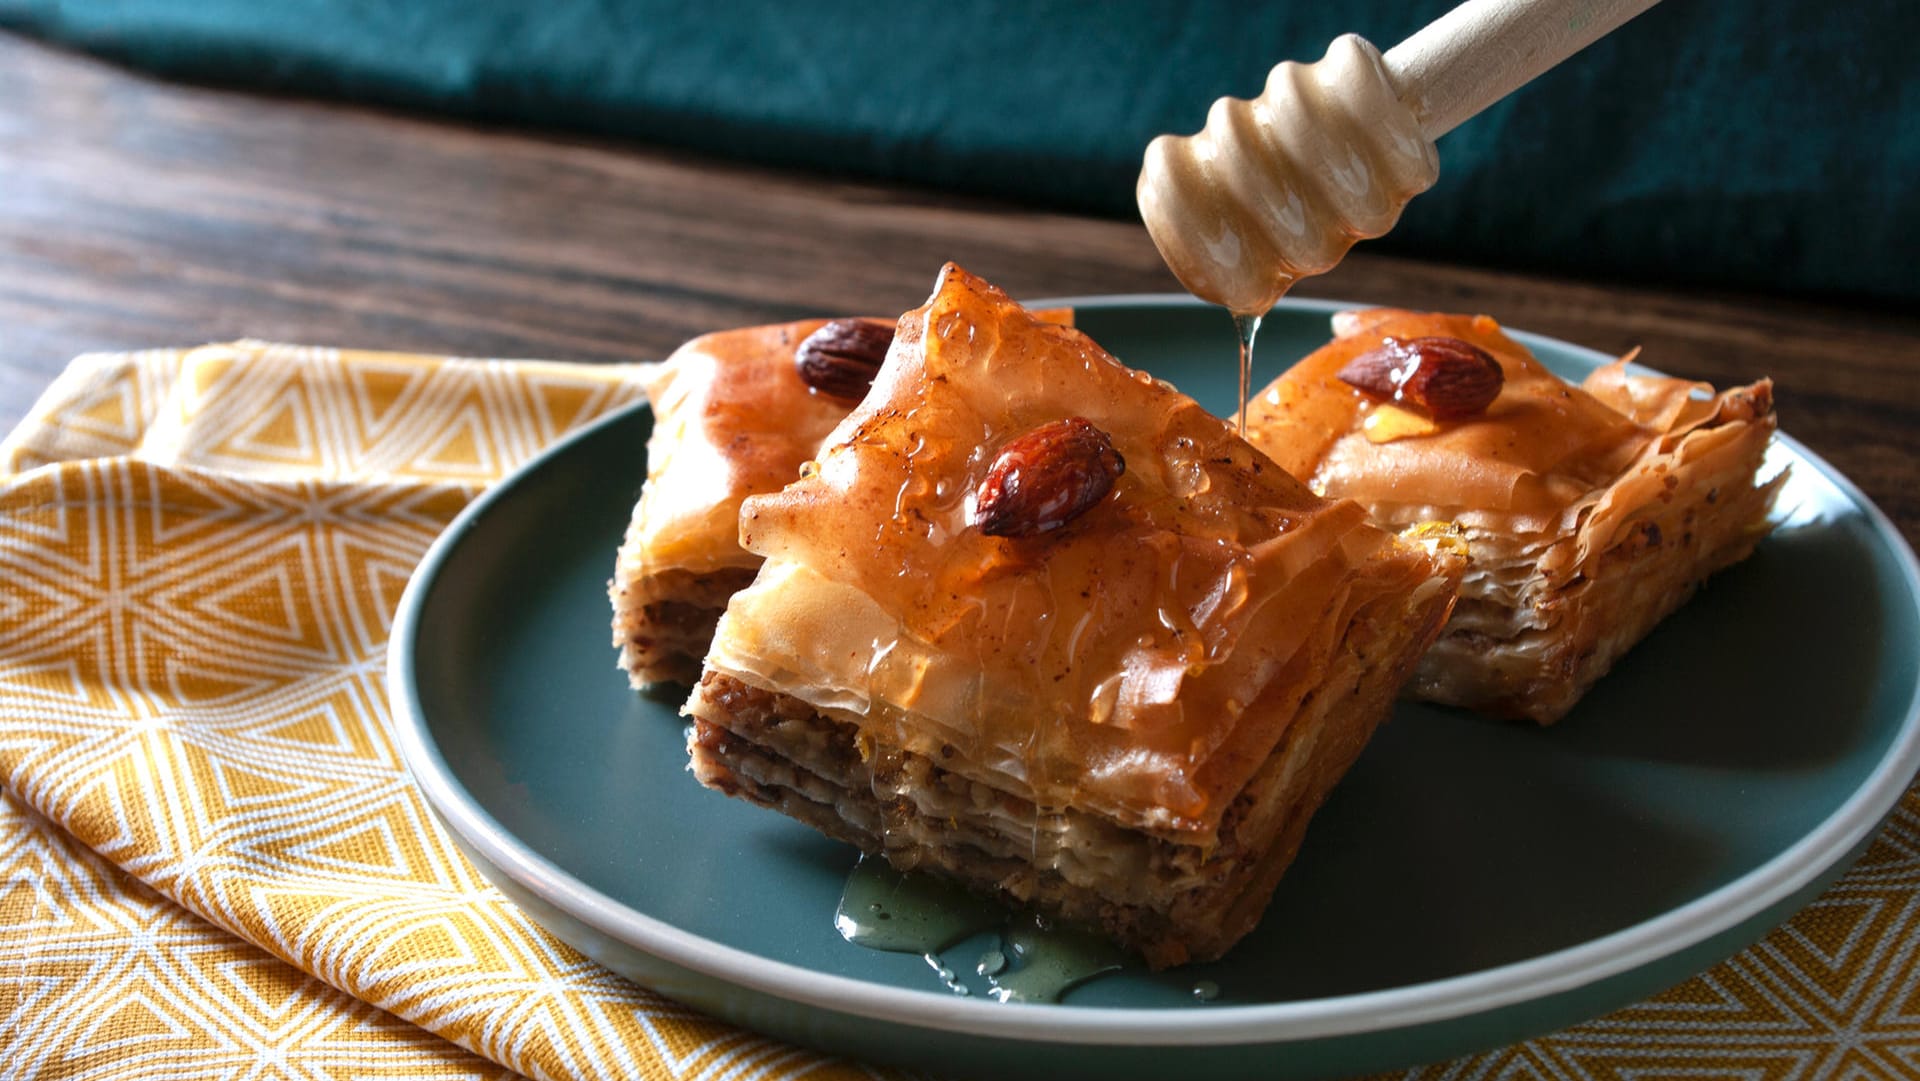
{"type": "Point", "coordinates": [1121, 650]}
{"type": "Point", "coordinates": [732, 418]}
{"type": "Point", "coordinates": [1126, 720]}
{"type": "Point", "coordinates": [1172, 897]}
{"type": "Point", "coordinates": [1591, 512]}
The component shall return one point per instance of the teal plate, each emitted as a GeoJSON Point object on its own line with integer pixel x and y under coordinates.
{"type": "Point", "coordinates": [1469, 884]}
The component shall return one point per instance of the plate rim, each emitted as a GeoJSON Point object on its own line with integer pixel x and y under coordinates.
{"type": "Point", "coordinates": [1376, 1011]}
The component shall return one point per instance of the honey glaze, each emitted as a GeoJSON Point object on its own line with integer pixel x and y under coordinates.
{"type": "Point", "coordinates": [883, 909]}
{"type": "Point", "coordinates": [1127, 671]}
{"type": "Point", "coordinates": [732, 419]}
{"type": "Point", "coordinates": [1246, 326]}
{"type": "Point", "coordinates": [1094, 666]}
{"type": "Point", "coordinates": [1541, 445]}
{"type": "Point", "coordinates": [1048, 961]}
{"type": "Point", "coordinates": [1033, 960]}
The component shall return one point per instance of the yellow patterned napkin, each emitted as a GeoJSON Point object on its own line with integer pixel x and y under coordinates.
{"type": "Point", "coordinates": [200, 554]}
{"type": "Point", "coordinates": [215, 865]}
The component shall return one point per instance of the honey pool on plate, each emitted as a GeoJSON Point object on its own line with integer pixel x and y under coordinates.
{"type": "Point", "coordinates": [1021, 956]}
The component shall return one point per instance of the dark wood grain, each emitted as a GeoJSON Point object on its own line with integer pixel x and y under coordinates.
{"type": "Point", "coordinates": [134, 213]}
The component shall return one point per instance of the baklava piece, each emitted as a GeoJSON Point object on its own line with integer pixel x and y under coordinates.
{"type": "Point", "coordinates": [1038, 623]}
{"type": "Point", "coordinates": [731, 417]}
{"type": "Point", "coordinates": [735, 413]}
{"type": "Point", "coordinates": [1590, 512]}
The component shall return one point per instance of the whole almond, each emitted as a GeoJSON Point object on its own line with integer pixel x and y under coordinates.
{"type": "Point", "coordinates": [1445, 378]}
{"type": "Point", "coordinates": [1046, 478]}
{"type": "Point", "coordinates": [842, 357]}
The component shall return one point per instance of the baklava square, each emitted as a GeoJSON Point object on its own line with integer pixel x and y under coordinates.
{"type": "Point", "coordinates": [1038, 623]}
{"type": "Point", "coordinates": [735, 413]}
{"type": "Point", "coordinates": [1590, 512]}
{"type": "Point", "coordinates": [731, 417]}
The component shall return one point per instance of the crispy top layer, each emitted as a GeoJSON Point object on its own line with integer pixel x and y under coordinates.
{"type": "Point", "coordinates": [1542, 450]}
{"type": "Point", "coordinates": [731, 418]}
{"type": "Point", "coordinates": [1143, 659]}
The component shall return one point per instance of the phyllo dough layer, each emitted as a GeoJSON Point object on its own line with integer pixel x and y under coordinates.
{"type": "Point", "coordinates": [731, 418]}
{"type": "Point", "coordinates": [1127, 720]}
{"type": "Point", "coordinates": [1591, 512]}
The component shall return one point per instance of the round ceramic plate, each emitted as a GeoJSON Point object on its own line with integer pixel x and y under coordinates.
{"type": "Point", "coordinates": [1468, 884]}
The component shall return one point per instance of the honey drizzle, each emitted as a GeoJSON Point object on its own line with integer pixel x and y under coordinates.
{"type": "Point", "coordinates": [1033, 960]}
{"type": "Point", "coordinates": [1246, 325]}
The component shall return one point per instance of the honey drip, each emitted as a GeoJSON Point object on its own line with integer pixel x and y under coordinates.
{"type": "Point", "coordinates": [1034, 961]}
{"type": "Point", "coordinates": [1277, 188]}
{"type": "Point", "coordinates": [1246, 326]}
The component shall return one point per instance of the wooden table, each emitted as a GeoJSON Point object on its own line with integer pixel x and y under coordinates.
{"type": "Point", "coordinates": [136, 213]}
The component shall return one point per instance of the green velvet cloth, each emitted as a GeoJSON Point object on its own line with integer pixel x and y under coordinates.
{"type": "Point", "coordinates": [1748, 145]}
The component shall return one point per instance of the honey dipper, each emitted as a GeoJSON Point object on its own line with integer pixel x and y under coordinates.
{"type": "Point", "coordinates": [1278, 188]}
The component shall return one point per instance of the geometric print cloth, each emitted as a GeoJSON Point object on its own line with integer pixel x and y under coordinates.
{"type": "Point", "coordinates": [212, 863]}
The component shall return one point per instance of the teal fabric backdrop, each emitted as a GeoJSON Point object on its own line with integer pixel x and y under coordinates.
{"type": "Point", "coordinates": [1751, 145]}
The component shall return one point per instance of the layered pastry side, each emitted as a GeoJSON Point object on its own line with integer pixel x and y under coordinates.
{"type": "Point", "coordinates": [731, 418]}
{"type": "Point", "coordinates": [1038, 623]}
{"type": "Point", "coordinates": [735, 413]}
{"type": "Point", "coordinates": [1591, 512]}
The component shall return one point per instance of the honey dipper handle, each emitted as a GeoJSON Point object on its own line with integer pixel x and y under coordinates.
{"type": "Point", "coordinates": [1484, 50]}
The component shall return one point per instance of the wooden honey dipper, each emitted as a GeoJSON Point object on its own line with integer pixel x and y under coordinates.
{"type": "Point", "coordinates": [1278, 188]}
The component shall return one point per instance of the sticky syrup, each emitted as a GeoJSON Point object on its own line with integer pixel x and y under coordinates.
{"type": "Point", "coordinates": [1035, 961]}
{"type": "Point", "coordinates": [1050, 961]}
{"type": "Point", "coordinates": [1246, 326]}
{"type": "Point", "coordinates": [883, 909]}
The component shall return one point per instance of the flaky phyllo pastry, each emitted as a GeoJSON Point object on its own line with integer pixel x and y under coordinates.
{"type": "Point", "coordinates": [735, 413]}
{"type": "Point", "coordinates": [1039, 623]}
{"type": "Point", "coordinates": [1590, 512]}
{"type": "Point", "coordinates": [730, 418]}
